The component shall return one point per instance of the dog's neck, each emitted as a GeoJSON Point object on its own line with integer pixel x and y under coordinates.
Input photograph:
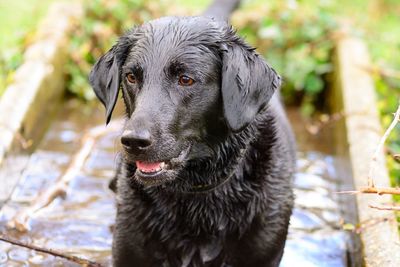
{"type": "Point", "coordinates": [209, 174]}
{"type": "Point", "coordinates": [209, 187]}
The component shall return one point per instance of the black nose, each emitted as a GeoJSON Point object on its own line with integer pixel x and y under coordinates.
{"type": "Point", "coordinates": [136, 139]}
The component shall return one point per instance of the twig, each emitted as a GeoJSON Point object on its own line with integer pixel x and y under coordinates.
{"type": "Point", "coordinates": [374, 190]}
{"type": "Point", "coordinates": [358, 228]}
{"type": "Point", "coordinates": [379, 147]}
{"type": "Point", "coordinates": [59, 189]}
{"type": "Point", "coordinates": [370, 223]}
{"type": "Point", "coordinates": [391, 73]}
{"type": "Point", "coordinates": [395, 208]}
{"type": "Point", "coordinates": [25, 144]}
{"type": "Point", "coordinates": [52, 252]}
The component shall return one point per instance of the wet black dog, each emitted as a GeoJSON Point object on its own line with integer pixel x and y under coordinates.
{"type": "Point", "coordinates": [208, 153]}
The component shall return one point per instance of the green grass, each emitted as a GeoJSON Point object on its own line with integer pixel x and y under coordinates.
{"type": "Point", "coordinates": [18, 20]}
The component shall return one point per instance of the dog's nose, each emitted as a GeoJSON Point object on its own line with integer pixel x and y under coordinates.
{"type": "Point", "coordinates": [136, 139]}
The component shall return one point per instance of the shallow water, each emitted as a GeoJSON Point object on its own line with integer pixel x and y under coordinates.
{"type": "Point", "coordinates": [80, 224]}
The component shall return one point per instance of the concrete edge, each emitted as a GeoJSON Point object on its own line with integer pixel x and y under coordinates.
{"type": "Point", "coordinates": [354, 94]}
{"type": "Point", "coordinates": [39, 82]}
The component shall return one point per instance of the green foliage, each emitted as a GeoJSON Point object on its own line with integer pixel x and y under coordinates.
{"type": "Point", "coordinates": [104, 21]}
{"type": "Point", "coordinates": [18, 18]}
{"type": "Point", "coordinates": [297, 42]}
{"type": "Point", "coordinates": [10, 59]}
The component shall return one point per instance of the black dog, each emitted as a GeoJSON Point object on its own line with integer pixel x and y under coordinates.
{"type": "Point", "coordinates": [208, 153]}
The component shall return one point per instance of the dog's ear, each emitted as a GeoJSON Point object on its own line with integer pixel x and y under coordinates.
{"type": "Point", "coordinates": [105, 80]}
{"type": "Point", "coordinates": [248, 84]}
{"type": "Point", "coordinates": [105, 75]}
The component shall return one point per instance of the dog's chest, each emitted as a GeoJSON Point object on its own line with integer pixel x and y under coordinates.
{"type": "Point", "coordinates": [188, 253]}
{"type": "Point", "coordinates": [207, 218]}
{"type": "Point", "coordinates": [196, 233]}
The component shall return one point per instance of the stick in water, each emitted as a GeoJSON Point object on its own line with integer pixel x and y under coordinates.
{"type": "Point", "coordinates": [52, 252]}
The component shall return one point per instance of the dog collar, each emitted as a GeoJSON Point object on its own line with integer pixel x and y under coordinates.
{"type": "Point", "coordinates": [206, 188]}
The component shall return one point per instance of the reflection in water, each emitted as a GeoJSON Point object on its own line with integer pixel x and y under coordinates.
{"type": "Point", "coordinates": [315, 236]}
{"type": "Point", "coordinates": [81, 223]}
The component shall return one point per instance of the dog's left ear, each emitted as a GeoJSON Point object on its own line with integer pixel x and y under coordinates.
{"type": "Point", "coordinates": [248, 84]}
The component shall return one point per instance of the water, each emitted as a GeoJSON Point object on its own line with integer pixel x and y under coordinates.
{"type": "Point", "coordinates": [80, 224]}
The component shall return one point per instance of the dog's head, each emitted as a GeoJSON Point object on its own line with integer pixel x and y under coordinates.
{"type": "Point", "coordinates": [187, 84]}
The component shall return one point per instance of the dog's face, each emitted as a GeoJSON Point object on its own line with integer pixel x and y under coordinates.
{"type": "Point", "coordinates": [187, 84]}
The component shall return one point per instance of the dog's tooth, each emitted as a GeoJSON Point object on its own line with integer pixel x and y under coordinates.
{"type": "Point", "coordinates": [162, 165]}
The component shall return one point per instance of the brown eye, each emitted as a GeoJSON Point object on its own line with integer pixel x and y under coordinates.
{"type": "Point", "coordinates": [185, 81]}
{"type": "Point", "coordinates": [131, 78]}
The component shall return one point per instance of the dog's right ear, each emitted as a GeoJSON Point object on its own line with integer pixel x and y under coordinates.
{"type": "Point", "coordinates": [105, 75]}
{"type": "Point", "coordinates": [105, 80]}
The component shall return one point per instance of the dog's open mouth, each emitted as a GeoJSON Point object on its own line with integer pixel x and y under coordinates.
{"type": "Point", "coordinates": [156, 173]}
{"type": "Point", "coordinates": [150, 168]}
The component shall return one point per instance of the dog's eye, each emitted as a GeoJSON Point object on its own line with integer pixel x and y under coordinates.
{"type": "Point", "coordinates": [185, 81]}
{"type": "Point", "coordinates": [131, 78]}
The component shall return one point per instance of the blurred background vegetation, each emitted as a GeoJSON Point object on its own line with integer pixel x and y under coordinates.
{"type": "Point", "coordinates": [296, 37]}
{"type": "Point", "coordinates": [18, 20]}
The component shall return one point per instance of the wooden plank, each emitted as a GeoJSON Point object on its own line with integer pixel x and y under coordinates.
{"type": "Point", "coordinates": [354, 92]}
{"type": "Point", "coordinates": [31, 99]}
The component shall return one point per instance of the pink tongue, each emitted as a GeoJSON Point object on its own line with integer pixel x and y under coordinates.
{"type": "Point", "coordinates": [148, 166]}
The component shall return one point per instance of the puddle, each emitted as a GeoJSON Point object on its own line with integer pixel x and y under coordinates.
{"type": "Point", "coordinates": [81, 223]}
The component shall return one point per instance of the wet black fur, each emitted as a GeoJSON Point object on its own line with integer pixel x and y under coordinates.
{"type": "Point", "coordinates": [237, 140]}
